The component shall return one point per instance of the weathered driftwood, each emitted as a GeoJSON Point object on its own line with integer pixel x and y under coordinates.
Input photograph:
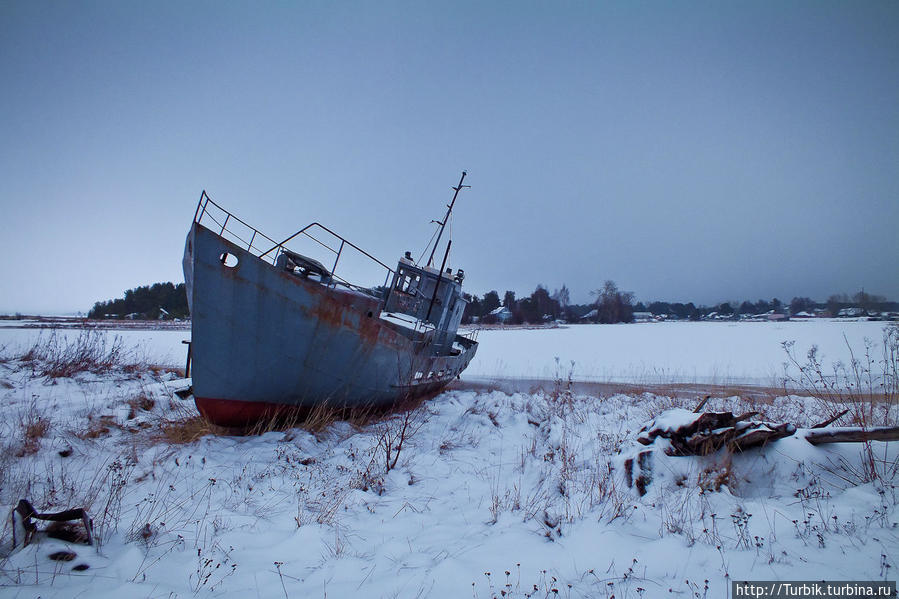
{"type": "Point", "coordinates": [709, 432]}
{"type": "Point", "coordinates": [638, 471]}
{"type": "Point", "coordinates": [712, 431]}
{"type": "Point", "coordinates": [830, 421]}
{"type": "Point", "coordinates": [701, 404]}
{"type": "Point", "coordinates": [758, 437]}
{"type": "Point", "coordinates": [853, 435]}
{"type": "Point", "coordinates": [23, 514]}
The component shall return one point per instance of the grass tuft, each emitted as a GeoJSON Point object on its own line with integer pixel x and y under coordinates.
{"type": "Point", "coordinates": [91, 351]}
{"type": "Point", "coordinates": [34, 426]}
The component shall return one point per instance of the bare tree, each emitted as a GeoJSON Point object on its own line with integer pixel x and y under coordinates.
{"type": "Point", "coordinates": [613, 305]}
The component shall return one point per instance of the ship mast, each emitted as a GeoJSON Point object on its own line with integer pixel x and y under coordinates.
{"type": "Point", "coordinates": [449, 211]}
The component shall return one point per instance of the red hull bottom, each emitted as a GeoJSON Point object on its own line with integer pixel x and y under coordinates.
{"type": "Point", "coordinates": [232, 413]}
{"type": "Point", "coordinates": [237, 414]}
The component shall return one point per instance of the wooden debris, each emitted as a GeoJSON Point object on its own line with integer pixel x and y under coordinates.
{"type": "Point", "coordinates": [23, 529]}
{"type": "Point", "coordinates": [638, 473]}
{"type": "Point", "coordinates": [688, 433]}
{"type": "Point", "coordinates": [830, 421]}
{"type": "Point", "coordinates": [711, 431]}
{"type": "Point", "coordinates": [853, 435]}
{"type": "Point", "coordinates": [701, 404]}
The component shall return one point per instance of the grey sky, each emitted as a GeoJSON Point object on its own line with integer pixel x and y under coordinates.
{"type": "Point", "coordinates": [689, 151]}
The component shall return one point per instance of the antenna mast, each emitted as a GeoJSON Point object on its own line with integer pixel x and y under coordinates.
{"type": "Point", "coordinates": [449, 211]}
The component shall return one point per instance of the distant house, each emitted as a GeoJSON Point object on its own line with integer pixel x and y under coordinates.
{"type": "Point", "coordinates": [591, 315]}
{"type": "Point", "coordinates": [803, 314]}
{"type": "Point", "coordinates": [850, 313]}
{"type": "Point", "coordinates": [643, 317]}
{"type": "Point", "coordinates": [502, 314]}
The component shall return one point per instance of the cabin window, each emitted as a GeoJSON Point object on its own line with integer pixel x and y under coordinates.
{"type": "Point", "coordinates": [407, 283]}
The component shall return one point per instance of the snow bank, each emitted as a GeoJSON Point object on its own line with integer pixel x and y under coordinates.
{"type": "Point", "coordinates": [494, 492]}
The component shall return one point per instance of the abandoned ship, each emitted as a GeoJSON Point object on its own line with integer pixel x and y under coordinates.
{"type": "Point", "coordinates": [273, 329]}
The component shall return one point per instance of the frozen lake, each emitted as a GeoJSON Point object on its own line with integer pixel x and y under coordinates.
{"type": "Point", "coordinates": [684, 352]}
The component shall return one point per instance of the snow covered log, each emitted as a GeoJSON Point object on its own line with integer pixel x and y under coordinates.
{"type": "Point", "coordinates": [689, 433]}
{"type": "Point", "coordinates": [852, 435]}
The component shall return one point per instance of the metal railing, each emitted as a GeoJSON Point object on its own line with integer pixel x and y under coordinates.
{"type": "Point", "coordinates": [212, 213]}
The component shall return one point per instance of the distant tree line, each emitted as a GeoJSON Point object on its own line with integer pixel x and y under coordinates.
{"type": "Point", "coordinates": [612, 305]}
{"type": "Point", "coordinates": [151, 302]}
{"type": "Point", "coordinates": [866, 303]}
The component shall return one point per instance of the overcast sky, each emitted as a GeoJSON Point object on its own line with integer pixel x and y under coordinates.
{"type": "Point", "coordinates": [689, 151]}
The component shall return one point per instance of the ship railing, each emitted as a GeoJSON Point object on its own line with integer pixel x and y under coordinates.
{"type": "Point", "coordinates": [470, 333]}
{"type": "Point", "coordinates": [213, 216]}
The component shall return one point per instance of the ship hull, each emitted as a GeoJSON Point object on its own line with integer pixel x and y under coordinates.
{"type": "Point", "coordinates": [265, 340]}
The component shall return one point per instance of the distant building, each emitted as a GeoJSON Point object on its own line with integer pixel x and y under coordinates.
{"type": "Point", "coordinates": [502, 314]}
{"type": "Point", "coordinates": [643, 317]}
{"type": "Point", "coordinates": [591, 315]}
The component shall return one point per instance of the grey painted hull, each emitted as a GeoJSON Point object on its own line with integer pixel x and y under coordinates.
{"type": "Point", "coordinates": [264, 339]}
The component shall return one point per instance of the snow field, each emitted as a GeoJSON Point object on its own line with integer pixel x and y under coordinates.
{"type": "Point", "coordinates": [487, 483]}
{"type": "Point", "coordinates": [719, 353]}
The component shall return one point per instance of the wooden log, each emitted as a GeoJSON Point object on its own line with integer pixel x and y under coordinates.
{"type": "Point", "coordinates": [852, 435]}
{"type": "Point", "coordinates": [760, 437]}
{"type": "Point", "coordinates": [709, 443]}
{"type": "Point", "coordinates": [701, 404]}
{"type": "Point", "coordinates": [745, 416]}
{"type": "Point", "coordinates": [830, 421]}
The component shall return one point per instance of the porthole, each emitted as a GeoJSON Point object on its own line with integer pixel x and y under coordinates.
{"type": "Point", "coordinates": [229, 260]}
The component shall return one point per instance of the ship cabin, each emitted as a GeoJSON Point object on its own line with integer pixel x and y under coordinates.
{"type": "Point", "coordinates": [431, 297]}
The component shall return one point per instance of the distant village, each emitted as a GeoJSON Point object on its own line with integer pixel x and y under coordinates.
{"type": "Point", "coordinates": [612, 305]}
{"type": "Point", "coordinates": [167, 301]}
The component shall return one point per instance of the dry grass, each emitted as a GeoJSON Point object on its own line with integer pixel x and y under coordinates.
{"type": "Point", "coordinates": [323, 415]}
{"type": "Point", "coordinates": [57, 356]}
{"type": "Point", "coordinates": [97, 428]}
{"type": "Point", "coordinates": [869, 383]}
{"type": "Point", "coordinates": [140, 403]}
{"type": "Point", "coordinates": [188, 426]}
{"type": "Point", "coordinates": [34, 426]}
{"type": "Point", "coordinates": [180, 432]}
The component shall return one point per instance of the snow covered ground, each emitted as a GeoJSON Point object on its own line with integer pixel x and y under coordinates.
{"type": "Point", "coordinates": [493, 494]}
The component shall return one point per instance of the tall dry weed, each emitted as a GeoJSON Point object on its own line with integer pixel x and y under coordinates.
{"type": "Point", "coordinates": [91, 351]}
